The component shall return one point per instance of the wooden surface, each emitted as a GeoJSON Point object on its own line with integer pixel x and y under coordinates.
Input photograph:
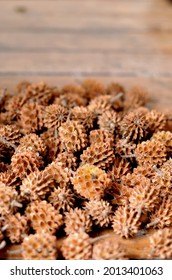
{"type": "Point", "coordinates": [128, 41]}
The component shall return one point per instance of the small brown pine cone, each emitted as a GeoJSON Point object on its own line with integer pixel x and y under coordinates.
{"type": "Point", "coordinates": [163, 180]}
{"type": "Point", "coordinates": [73, 136]}
{"type": "Point", "coordinates": [100, 154]}
{"type": "Point", "coordinates": [93, 88]}
{"type": "Point", "coordinates": [63, 199]}
{"type": "Point", "coordinates": [100, 212]}
{"type": "Point", "coordinates": [41, 93]}
{"type": "Point", "coordinates": [77, 246]}
{"type": "Point", "coordinates": [126, 221]}
{"type": "Point", "coordinates": [131, 180]}
{"type": "Point", "coordinates": [10, 179]}
{"type": "Point", "coordinates": [54, 115]}
{"type": "Point", "coordinates": [108, 250]}
{"type": "Point", "coordinates": [17, 227]}
{"type": "Point", "coordinates": [161, 244]}
{"type": "Point", "coordinates": [33, 141]}
{"type": "Point", "coordinates": [134, 127]}
{"type": "Point", "coordinates": [167, 166]}
{"type": "Point", "coordinates": [37, 185]}
{"type": "Point", "coordinates": [136, 97]}
{"type": "Point", "coordinates": [150, 152]}
{"type": "Point", "coordinates": [70, 100]}
{"type": "Point", "coordinates": [74, 88]}
{"type": "Point", "coordinates": [67, 159]}
{"type": "Point", "coordinates": [164, 137]}
{"type": "Point", "coordinates": [60, 175]}
{"type": "Point", "coordinates": [119, 168]}
{"type": "Point", "coordinates": [144, 196]}
{"type": "Point", "coordinates": [157, 121]}
{"type": "Point", "coordinates": [90, 181]}
{"type": "Point", "coordinates": [10, 134]}
{"type": "Point", "coordinates": [101, 135]}
{"type": "Point", "coordinates": [14, 105]}
{"type": "Point", "coordinates": [29, 118]}
{"type": "Point", "coordinates": [162, 217]}
{"type": "Point", "coordinates": [120, 194]}
{"type": "Point", "coordinates": [77, 220]}
{"type": "Point", "coordinates": [8, 199]}
{"type": "Point", "coordinates": [147, 171]}
{"type": "Point", "coordinates": [43, 217]}
{"type": "Point", "coordinates": [25, 162]}
{"type": "Point", "coordinates": [125, 149]}
{"type": "Point", "coordinates": [109, 121]}
{"type": "Point", "coordinates": [100, 104]}
{"type": "Point", "coordinates": [83, 116]}
{"type": "Point", "coordinates": [39, 246]}
{"type": "Point", "coordinates": [52, 142]}
{"type": "Point", "coordinates": [117, 93]}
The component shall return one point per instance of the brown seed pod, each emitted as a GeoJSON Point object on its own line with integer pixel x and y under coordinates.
{"type": "Point", "coordinates": [39, 246]}
{"type": "Point", "coordinates": [54, 115]}
{"type": "Point", "coordinates": [73, 136]}
{"type": "Point", "coordinates": [43, 217]}
{"type": "Point", "coordinates": [60, 175]}
{"type": "Point", "coordinates": [109, 120]}
{"type": "Point", "coordinates": [157, 121]}
{"type": "Point", "coordinates": [150, 152]}
{"type": "Point", "coordinates": [125, 149]}
{"type": "Point", "coordinates": [77, 246]}
{"type": "Point", "coordinates": [62, 199]}
{"type": "Point", "coordinates": [30, 118]}
{"type": "Point", "coordinates": [100, 154]}
{"type": "Point", "coordinates": [100, 212]}
{"type": "Point", "coordinates": [14, 105]}
{"type": "Point", "coordinates": [67, 160]}
{"type": "Point", "coordinates": [93, 88]}
{"type": "Point", "coordinates": [25, 162]}
{"type": "Point", "coordinates": [108, 250]}
{"type": "Point", "coordinates": [77, 220]}
{"type": "Point", "coordinates": [126, 221]}
{"type": "Point", "coordinates": [83, 116]}
{"type": "Point", "coordinates": [164, 137]}
{"type": "Point", "coordinates": [8, 200]}
{"type": "Point", "coordinates": [161, 244]}
{"type": "Point", "coordinates": [90, 181]}
{"type": "Point", "coordinates": [33, 141]}
{"type": "Point", "coordinates": [100, 104]}
{"type": "Point", "coordinates": [10, 134]}
{"type": "Point", "coordinates": [134, 127]}
{"type": "Point", "coordinates": [36, 185]}
{"type": "Point", "coordinates": [162, 217]}
{"type": "Point", "coordinates": [100, 136]}
{"type": "Point", "coordinates": [17, 227]}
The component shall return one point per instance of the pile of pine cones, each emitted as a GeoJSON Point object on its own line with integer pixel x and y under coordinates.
{"type": "Point", "coordinates": [77, 160]}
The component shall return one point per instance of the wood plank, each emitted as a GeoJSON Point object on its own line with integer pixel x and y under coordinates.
{"type": "Point", "coordinates": [61, 16]}
{"type": "Point", "coordinates": [124, 43]}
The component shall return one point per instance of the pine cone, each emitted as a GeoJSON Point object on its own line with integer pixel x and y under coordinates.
{"type": "Point", "coordinates": [147, 171]}
{"type": "Point", "coordinates": [54, 115]}
{"type": "Point", "coordinates": [74, 88]}
{"type": "Point", "coordinates": [30, 118]}
{"type": "Point", "coordinates": [83, 116]}
{"type": "Point", "coordinates": [17, 227]}
{"type": "Point", "coordinates": [164, 137]}
{"type": "Point", "coordinates": [52, 142]}
{"type": "Point", "coordinates": [77, 220]}
{"type": "Point", "coordinates": [60, 175]}
{"type": "Point", "coordinates": [126, 221]}
{"type": "Point", "coordinates": [8, 197]}
{"type": "Point", "coordinates": [33, 141]}
{"type": "Point", "coordinates": [125, 149]}
{"type": "Point", "coordinates": [10, 179]}
{"type": "Point", "coordinates": [100, 154]}
{"type": "Point", "coordinates": [150, 152]}
{"type": "Point", "coordinates": [100, 136]}
{"type": "Point", "coordinates": [39, 246]}
{"type": "Point", "coordinates": [157, 121]}
{"type": "Point", "coordinates": [90, 181]}
{"type": "Point", "coordinates": [161, 244]}
{"type": "Point", "coordinates": [70, 100]}
{"type": "Point", "coordinates": [93, 88]}
{"type": "Point", "coordinates": [108, 250]}
{"type": "Point", "coordinates": [136, 97]}
{"type": "Point", "coordinates": [117, 93]}
{"type": "Point", "coordinates": [120, 194]}
{"type": "Point", "coordinates": [67, 160]}
{"type": "Point", "coordinates": [62, 199]}
{"type": "Point", "coordinates": [120, 168]}
{"type": "Point", "coordinates": [109, 121]}
{"type": "Point", "coordinates": [73, 137]}
{"type": "Point", "coordinates": [100, 104]}
{"type": "Point", "coordinates": [14, 105]}
{"type": "Point", "coordinates": [43, 217]}
{"type": "Point", "coordinates": [10, 133]}
{"type": "Point", "coordinates": [77, 246]}
{"type": "Point", "coordinates": [100, 212]}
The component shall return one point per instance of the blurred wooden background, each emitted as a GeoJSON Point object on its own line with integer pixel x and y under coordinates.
{"type": "Point", "coordinates": [129, 41]}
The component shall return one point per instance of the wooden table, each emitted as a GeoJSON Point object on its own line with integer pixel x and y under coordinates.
{"type": "Point", "coordinates": [128, 41]}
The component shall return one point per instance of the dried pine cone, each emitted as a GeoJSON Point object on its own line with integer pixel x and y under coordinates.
{"type": "Point", "coordinates": [83, 116]}
{"type": "Point", "coordinates": [134, 127]}
{"type": "Point", "coordinates": [131, 180]}
{"type": "Point", "coordinates": [17, 227]}
{"type": "Point", "coordinates": [125, 149]}
{"type": "Point", "coordinates": [117, 92]}
{"type": "Point", "coordinates": [162, 217]}
{"type": "Point", "coordinates": [25, 162]}
{"type": "Point", "coordinates": [100, 104]}
{"type": "Point", "coordinates": [14, 105]}
{"type": "Point", "coordinates": [60, 175]}
{"type": "Point", "coordinates": [39, 246]}
{"type": "Point", "coordinates": [147, 171]}
{"type": "Point", "coordinates": [74, 88]}
{"type": "Point", "coordinates": [150, 152]}
{"type": "Point", "coordinates": [120, 194]}
{"type": "Point", "coordinates": [43, 217]}
{"type": "Point", "coordinates": [157, 121]}
{"type": "Point", "coordinates": [30, 118]}
{"type": "Point", "coordinates": [73, 136]}
{"type": "Point", "coordinates": [161, 244]}
{"type": "Point", "coordinates": [100, 154]}
{"type": "Point", "coordinates": [77, 246]}
{"type": "Point", "coordinates": [8, 199]}
{"type": "Point", "coordinates": [70, 100]}
{"type": "Point", "coordinates": [37, 185]}
{"type": "Point", "coordinates": [54, 115]}
{"type": "Point", "coordinates": [52, 142]}
{"type": "Point", "coordinates": [77, 220]}
{"type": "Point", "coordinates": [167, 166]}
{"type": "Point", "coordinates": [90, 181]}
{"type": "Point", "coordinates": [93, 88]}
{"type": "Point", "coordinates": [10, 134]}
{"type": "Point", "coordinates": [9, 178]}
{"type": "Point", "coordinates": [101, 135]}
{"type": "Point", "coordinates": [120, 168]}
{"type": "Point", "coordinates": [62, 199]}
{"type": "Point", "coordinates": [126, 221]}
{"type": "Point", "coordinates": [33, 141]}
{"type": "Point", "coordinates": [67, 159]}
{"type": "Point", "coordinates": [164, 137]}
{"type": "Point", "coordinates": [109, 121]}
{"type": "Point", "coordinates": [108, 250]}
{"type": "Point", "coordinates": [136, 97]}
{"type": "Point", "coordinates": [100, 212]}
